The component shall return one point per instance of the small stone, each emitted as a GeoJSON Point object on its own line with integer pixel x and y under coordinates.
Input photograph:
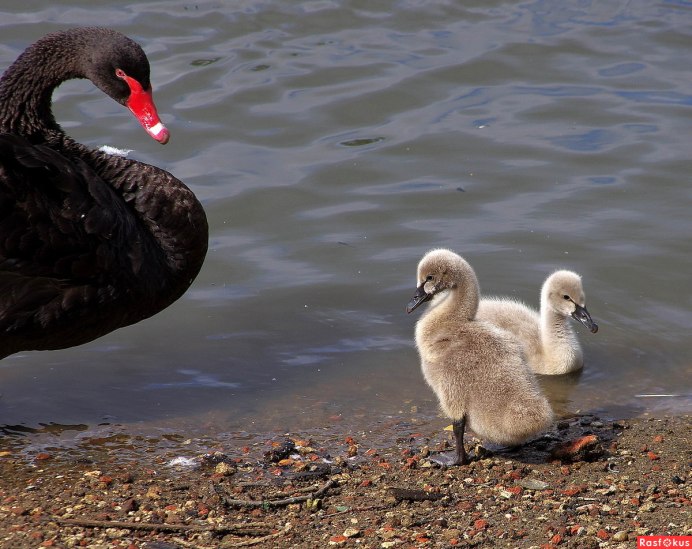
{"type": "Point", "coordinates": [224, 469]}
{"type": "Point", "coordinates": [586, 448]}
{"type": "Point", "coordinates": [620, 536]}
{"type": "Point", "coordinates": [95, 473]}
{"type": "Point", "coordinates": [480, 524]}
{"type": "Point", "coordinates": [130, 505]}
{"type": "Point", "coordinates": [452, 533]}
{"type": "Point", "coordinates": [351, 532]}
{"type": "Point", "coordinates": [533, 484]}
{"type": "Point", "coordinates": [154, 492]}
{"type": "Point", "coordinates": [602, 534]}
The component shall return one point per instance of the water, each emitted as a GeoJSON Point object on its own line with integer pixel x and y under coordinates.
{"type": "Point", "coordinates": [332, 144]}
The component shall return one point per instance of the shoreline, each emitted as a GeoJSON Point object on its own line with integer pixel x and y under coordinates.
{"type": "Point", "coordinates": [588, 483]}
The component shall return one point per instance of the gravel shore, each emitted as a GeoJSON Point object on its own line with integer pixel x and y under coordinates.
{"type": "Point", "coordinates": [588, 483]}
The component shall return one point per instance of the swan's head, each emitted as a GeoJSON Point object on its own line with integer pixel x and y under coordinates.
{"type": "Point", "coordinates": [120, 68]}
{"type": "Point", "coordinates": [439, 270]}
{"type": "Point", "coordinates": [564, 294]}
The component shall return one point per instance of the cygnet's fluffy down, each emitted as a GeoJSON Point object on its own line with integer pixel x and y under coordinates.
{"type": "Point", "coordinates": [550, 344]}
{"type": "Point", "coordinates": [477, 370]}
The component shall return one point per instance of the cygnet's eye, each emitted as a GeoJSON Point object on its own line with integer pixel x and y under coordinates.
{"type": "Point", "coordinates": [428, 278]}
{"type": "Point", "coordinates": [566, 296]}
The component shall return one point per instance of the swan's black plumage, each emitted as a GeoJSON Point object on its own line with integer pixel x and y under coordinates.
{"type": "Point", "coordinates": [89, 242]}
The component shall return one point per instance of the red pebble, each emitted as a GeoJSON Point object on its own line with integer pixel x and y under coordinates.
{"type": "Point", "coordinates": [480, 524]}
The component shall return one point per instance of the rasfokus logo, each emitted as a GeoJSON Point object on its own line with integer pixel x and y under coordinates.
{"type": "Point", "coordinates": [666, 542]}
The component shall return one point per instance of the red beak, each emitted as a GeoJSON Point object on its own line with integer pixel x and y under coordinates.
{"type": "Point", "coordinates": [141, 104]}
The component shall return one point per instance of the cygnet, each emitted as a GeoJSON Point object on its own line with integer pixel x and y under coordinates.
{"type": "Point", "coordinates": [477, 370]}
{"type": "Point", "coordinates": [550, 344]}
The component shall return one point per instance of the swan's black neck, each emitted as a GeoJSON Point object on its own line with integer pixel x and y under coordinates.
{"type": "Point", "coordinates": [26, 89]}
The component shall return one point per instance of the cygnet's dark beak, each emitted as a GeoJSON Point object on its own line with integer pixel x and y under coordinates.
{"type": "Point", "coordinates": [418, 299]}
{"type": "Point", "coordinates": [583, 316]}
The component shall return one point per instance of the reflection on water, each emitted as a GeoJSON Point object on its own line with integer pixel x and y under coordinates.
{"type": "Point", "coordinates": [332, 145]}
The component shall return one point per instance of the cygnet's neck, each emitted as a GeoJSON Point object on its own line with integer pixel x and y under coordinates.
{"type": "Point", "coordinates": [459, 302]}
{"type": "Point", "coordinates": [558, 339]}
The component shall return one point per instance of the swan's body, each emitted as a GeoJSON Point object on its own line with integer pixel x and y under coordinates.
{"type": "Point", "coordinates": [550, 344]}
{"type": "Point", "coordinates": [89, 242]}
{"type": "Point", "coordinates": [477, 370]}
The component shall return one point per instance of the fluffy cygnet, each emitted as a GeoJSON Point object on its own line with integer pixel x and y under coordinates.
{"type": "Point", "coordinates": [550, 344]}
{"type": "Point", "coordinates": [477, 370]}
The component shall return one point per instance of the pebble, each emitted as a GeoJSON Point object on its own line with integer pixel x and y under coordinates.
{"type": "Point", "coordinates": [224, 469]}
{"type": "Point", "coordinates": [620, 536]}
{"type": "Point", "coordinates": [533, 484]}
{"type": "Point", "coordinates": [452, 533]}
{"type": "Point", "coordinates": [95, 473]}
{"type": "Point", "coordinates": [351, 533]}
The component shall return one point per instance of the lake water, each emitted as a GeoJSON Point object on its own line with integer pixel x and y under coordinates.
{"type": "Point", "coordinates": [333, 144]}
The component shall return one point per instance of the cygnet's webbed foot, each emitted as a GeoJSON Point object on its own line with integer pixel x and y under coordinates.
{"type": "Point", "coordinates": [451, 459]}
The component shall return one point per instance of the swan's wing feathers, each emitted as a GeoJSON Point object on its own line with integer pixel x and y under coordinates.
{"type": "Point", "coordinates": [58, 218]}
{"type": "Point", "coordinates": [21, 296]}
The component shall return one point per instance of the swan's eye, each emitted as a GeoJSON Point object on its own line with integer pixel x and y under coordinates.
{"type": "Point", "coordinates": [120, 73]}
{"type": "Point", "coordinates": [566, 296]}
{"type": "Point", "coordinates": [428, 278]}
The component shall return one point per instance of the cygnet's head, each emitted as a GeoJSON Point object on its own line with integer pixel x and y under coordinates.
{"type": "Point", "coordinates": [440, 270]}
{"type": "Point", "coordinates": [563, 293]}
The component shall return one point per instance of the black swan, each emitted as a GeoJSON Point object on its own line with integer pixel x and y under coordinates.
{"type": "Point", "coordinates": [89, 242]}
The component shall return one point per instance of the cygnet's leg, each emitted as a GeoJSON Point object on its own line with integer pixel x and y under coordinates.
{"type": "Point", "coordinates": [459, 457]}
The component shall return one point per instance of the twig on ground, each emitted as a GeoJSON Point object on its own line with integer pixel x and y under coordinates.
{"type": "Point", "coordinates": [356, 510]}
{"type": "Point", "coordinates": [247, 529]}
{"type": "Point", "coordinates": [231, 544]}
{"type": "Point", "coordinates": [278, 502]}
{"type": "Point", "coordinates": [249, 542]}
{"type": "Point", "coordinates": [413, 495]}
